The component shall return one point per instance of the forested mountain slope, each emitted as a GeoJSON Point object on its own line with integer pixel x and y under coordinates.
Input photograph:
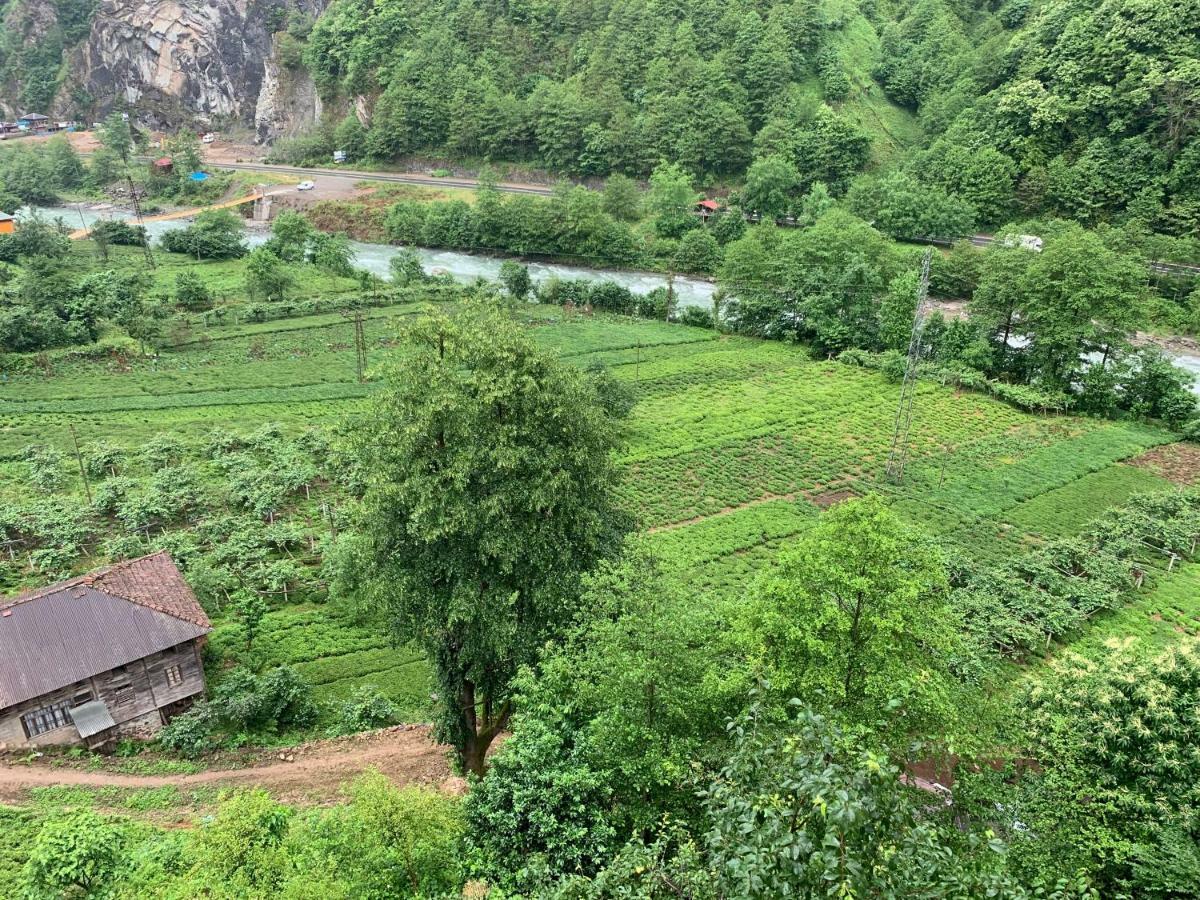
{"type": "Point", "coordinates": [1064, 107]}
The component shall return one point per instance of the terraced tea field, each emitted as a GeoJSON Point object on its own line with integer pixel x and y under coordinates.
{"type": "Point", "coordinates": [733, 447]}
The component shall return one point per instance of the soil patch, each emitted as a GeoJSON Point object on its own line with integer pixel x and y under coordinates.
{"type": "Point", "coordinates": [831, 498]}
{"type": "Point", "coordinates": [1179, 463]}
{"type": "Point", "coordinates": [313, 772]}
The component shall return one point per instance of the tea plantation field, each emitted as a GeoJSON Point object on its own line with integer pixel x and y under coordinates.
{"type": "Point", "coordinates": [733, 447]}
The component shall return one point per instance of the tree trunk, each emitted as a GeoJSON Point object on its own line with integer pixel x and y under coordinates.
{"type": "Point", "coordinates": [474, 754]}
{"type": "Point", "coordinates": [479, 731]}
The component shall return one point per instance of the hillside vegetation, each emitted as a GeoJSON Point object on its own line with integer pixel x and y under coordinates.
{"type": "Point", "coordinates": [875, 577]}
{"type": "Point", "coordinates": [1080, 109]}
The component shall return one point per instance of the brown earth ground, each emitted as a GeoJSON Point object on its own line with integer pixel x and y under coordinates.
{"type": "Point", "coordinates": [1179, 463]}
{"type": "Point", "coordinates": [311, 773]}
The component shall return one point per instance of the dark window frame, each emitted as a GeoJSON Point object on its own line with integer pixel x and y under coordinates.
{"type": "Point", "coordinates": [47, 718]}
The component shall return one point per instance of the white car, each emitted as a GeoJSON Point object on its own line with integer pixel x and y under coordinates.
{"type": "Point", "coordinates": [305, 186]}
{"type": "Point", "coordinates": [208, 138]}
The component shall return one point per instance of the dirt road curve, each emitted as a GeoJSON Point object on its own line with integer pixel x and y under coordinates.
{"type": "Point", "coordinates": [315, 774]}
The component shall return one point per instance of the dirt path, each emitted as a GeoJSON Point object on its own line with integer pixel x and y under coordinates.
{"type": "Point", "coordinates": [309, 773]}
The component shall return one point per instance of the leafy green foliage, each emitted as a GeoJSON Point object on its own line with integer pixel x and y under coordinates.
{"type": "Point", "coordinates": [472, 422]}
{"type": "Point", "coordinates": [801, 808]}
{"type": "Point", "coordinates": [387, 842]}
{"type": "Point", "coordinates": [76, 856]}
{"type": "Point", "coordinates": [1120, 731]}
{"type": "Point", "coordinates": [856, 614]}
{"type": "Point", "coordinates": [215, 234]}
{"type": "Point", "coordinates": [516, 280]}
{"type": "Point", "coordinates": [241, 703]}
{"type": "Point", "coordinates": [365, 709]}
{"type": "Point", "coordinates": [608, 731]}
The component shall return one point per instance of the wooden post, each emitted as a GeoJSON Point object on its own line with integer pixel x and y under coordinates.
{"type": "Point", "coordinates": [87, 488]}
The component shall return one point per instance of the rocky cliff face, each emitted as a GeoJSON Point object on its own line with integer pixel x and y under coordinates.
{"type": "Point", "coordinates": [181, 62]}
{"type": "Point", "coordinates": [287, 101]}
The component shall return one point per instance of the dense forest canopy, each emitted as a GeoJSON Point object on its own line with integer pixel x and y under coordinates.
{"type": "Point", "coordinates": [1078, 109]}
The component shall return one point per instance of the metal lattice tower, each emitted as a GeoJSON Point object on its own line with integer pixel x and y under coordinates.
{"type": "Point", "coordinates": [898, 456]}
{"type": "Point", "coordinates": [135, 196]}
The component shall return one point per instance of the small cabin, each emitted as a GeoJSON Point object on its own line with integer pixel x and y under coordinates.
{"type": "Point", "coordinates": [706, 208]}
{"type": "Point", "coordinates": [111, 654]}
{"type": "Point", "coordinates": [34, 122]}
{"type": "Point", "coordinates": [164, 165]}
{"type": "Point", "coordinates": [8, 224]}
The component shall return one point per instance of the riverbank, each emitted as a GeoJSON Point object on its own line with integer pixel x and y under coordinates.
{"type": "Point", "coordinates": [462, 267]}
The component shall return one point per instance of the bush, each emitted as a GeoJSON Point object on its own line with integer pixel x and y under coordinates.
{"type": "Point", "coordinates": [365, 709]}
{"type": "Point", "coordinates": [241, 843]}
{"type": "Point", "coordinates": [560, 291]}
{"type": "Point", "coordinates": [289, 701]}
{"type": "Point", "coordinates": [388, 842]}
{"type": "Point", "coordinates": [243, 702]}
{"type": "Point", "coordinates": [540, 810]}
{"type": "Point", "coordinates": [698, 252]}
{"type": "Point", "coordinates": [611, 297]}
{"type": "Point", "coordinates": [215, 234]}
{"type": "Point", "coordinates": [267, 276]}
{"type": "Point", "coordinates": [696, 316]}
{"type": "Point", "coordinates": [406, 268]}
{"type": "Point", "coordinates": [73, 857]}
{"type": "Point", "coordinates": [189, 734]}
{"type": "Point", "coordinates": [115, 231]}
{"type": "Point", "coordinates": [191, 292]}
{"type": "Point", "coordinates": [515, 278]}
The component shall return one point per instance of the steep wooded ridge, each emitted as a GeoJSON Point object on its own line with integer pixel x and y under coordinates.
{"type": "Point", "coordinates": [1077, 108]}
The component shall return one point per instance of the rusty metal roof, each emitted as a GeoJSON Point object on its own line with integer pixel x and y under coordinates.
{"type": "Point", "coordinates": [152, 581]}
{"type": "Point", "coordinates": [67, 632]}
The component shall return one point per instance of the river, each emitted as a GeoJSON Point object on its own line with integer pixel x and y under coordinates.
{"type": "Point", "coordinates": [463, 267]}
{"type": "Point", "coordinates": [467, 267]}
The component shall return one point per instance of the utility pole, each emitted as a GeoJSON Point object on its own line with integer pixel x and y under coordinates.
{"type": "Point", "coordinates": [898, 456]}
{"type": "Point", "coordinates": [82, 220]}
{"type": "Point", "coordinates": [135, 198]}
{"type": "Point", "coordinates": [87, 488]}
{"type": "Point", "coordinates": [360, 342]}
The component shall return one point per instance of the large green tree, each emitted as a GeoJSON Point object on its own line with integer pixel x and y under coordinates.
{"type": "Point", "coordinates": [856, 613]}
{"type": "Point", "coordinates": [1115, 791]}
{"type": "Point", "coordinates": [489, 477]}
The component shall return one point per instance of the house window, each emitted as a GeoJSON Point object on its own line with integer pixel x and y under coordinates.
{"type": "Point", "coordinates": [121, 687]}
{"type": "Point", "coordinates": [46, 719]}
{"type": "Point", "coordinates": [174, 676]}
{"type": "Point", "coordinates": [81, 697]}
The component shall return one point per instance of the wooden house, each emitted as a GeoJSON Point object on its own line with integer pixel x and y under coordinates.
{"type": "Point", "coordinates": [115, 653]}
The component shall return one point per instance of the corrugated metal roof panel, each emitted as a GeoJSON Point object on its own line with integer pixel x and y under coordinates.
{"type": "Point", "coordinates": [60, 638]}
{"type": "Point", "coordinates": [91, 718]}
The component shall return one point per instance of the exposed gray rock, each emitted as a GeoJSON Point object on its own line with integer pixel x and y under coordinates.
{"type": "Point", "coordinates": [287, 102]}
{"type": "Point", "coordinates": [180, 62]}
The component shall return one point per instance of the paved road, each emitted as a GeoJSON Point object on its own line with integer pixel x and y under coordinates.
{"type": "Point", "coordinates": [353, 175]}
{"type": "Point", "coordinates": [979, 240]}
{"type": "Point", "coordinates": [1162, 268]}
